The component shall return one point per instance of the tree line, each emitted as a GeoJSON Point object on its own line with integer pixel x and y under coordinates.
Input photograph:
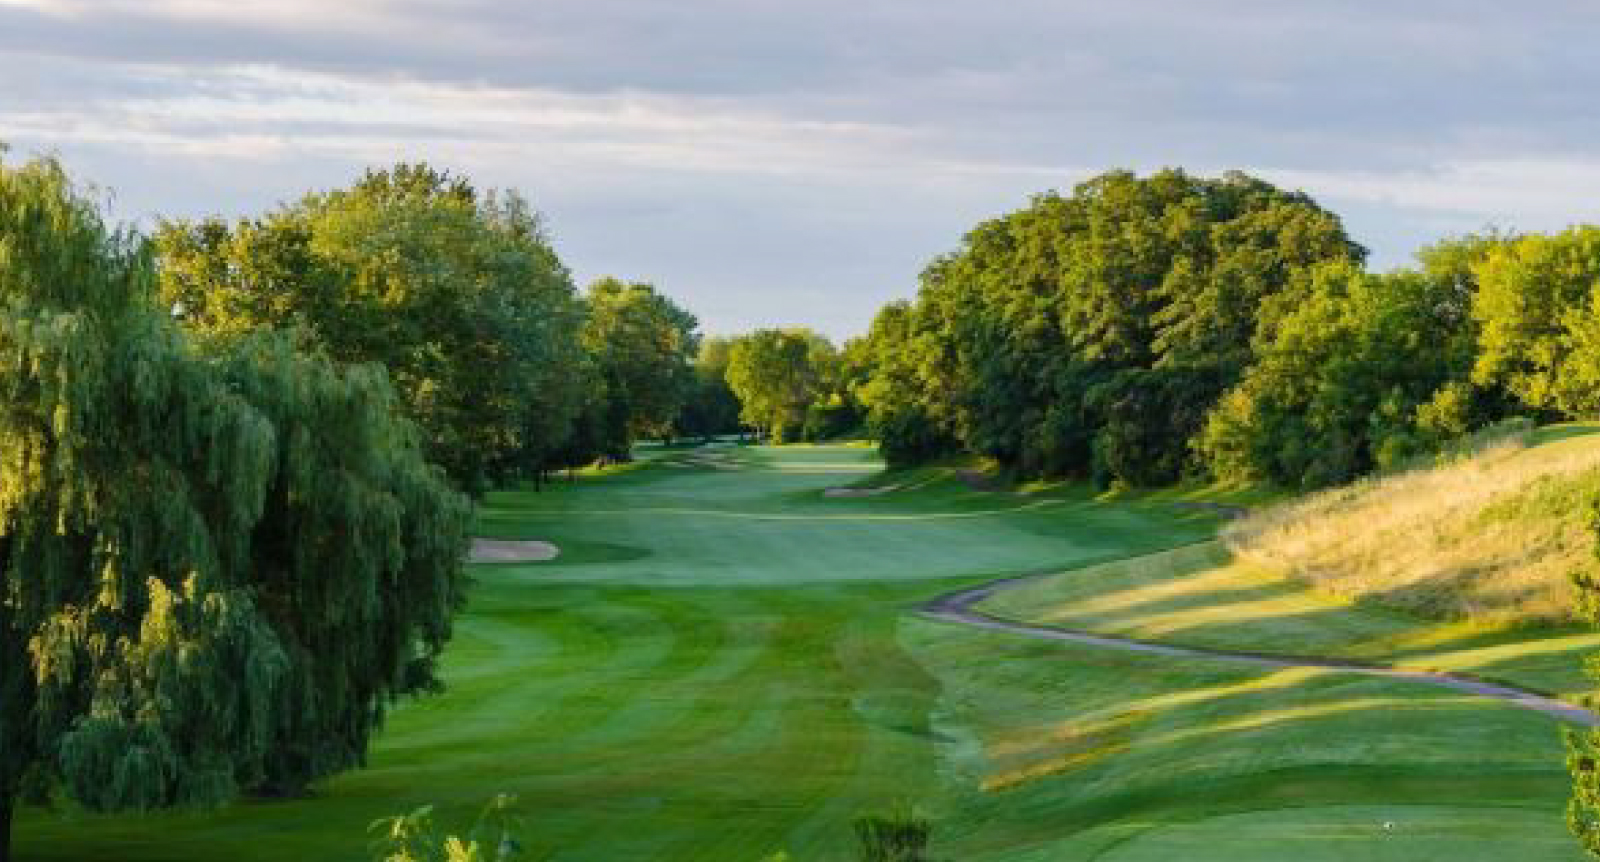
{"type": "Point", "coordinates": [1145, 330]}
{"type": "Point", "coordinates": [506, 368]}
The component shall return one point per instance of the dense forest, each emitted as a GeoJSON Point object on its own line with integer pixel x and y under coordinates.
{"type": "Point", "coordinates": [196, 424]}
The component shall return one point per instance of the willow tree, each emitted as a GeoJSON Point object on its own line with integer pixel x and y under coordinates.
{"type": "Point", "coordinates": [215, 570]}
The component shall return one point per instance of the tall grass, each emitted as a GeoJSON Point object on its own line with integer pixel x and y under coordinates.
{"type": "Point", "coordinates": [1493, 532]}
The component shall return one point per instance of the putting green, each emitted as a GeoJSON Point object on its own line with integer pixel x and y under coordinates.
{"type": "Point", "coordinates": [723, 662]}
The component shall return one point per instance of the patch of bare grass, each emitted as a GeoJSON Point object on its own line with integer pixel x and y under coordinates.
{"type": "Point", "coordinates": [1494, 536]}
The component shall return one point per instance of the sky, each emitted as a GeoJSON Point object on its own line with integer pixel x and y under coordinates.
{"type": "Point", "coordinates": [798, 162]}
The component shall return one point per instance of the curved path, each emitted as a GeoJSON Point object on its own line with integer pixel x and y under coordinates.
{"type": "Point", "coordinates": [959, 607]}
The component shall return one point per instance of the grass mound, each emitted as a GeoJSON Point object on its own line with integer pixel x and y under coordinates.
{"type": "Point", "coordinates": [1494, 535]}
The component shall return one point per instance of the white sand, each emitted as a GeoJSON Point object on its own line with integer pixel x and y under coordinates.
{"type": "Point", "coordinates": [860, 492]}
{"type": "Point", "coordinates": [505, 551]}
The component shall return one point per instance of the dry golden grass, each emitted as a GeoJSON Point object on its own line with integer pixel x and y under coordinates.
{"type": "Point", "coordinates": [1495, 536]}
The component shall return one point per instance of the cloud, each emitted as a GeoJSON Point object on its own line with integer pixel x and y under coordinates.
{"type": "Point", "coordinates": [1513, 193]}
{"type": "Point", "coordinates": [806, 159]}
{"type": "Point", "coordinates": [282, 14]}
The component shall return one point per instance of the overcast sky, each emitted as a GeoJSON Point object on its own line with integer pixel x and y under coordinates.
{"type": "Point", "coordinates": [797, 162]}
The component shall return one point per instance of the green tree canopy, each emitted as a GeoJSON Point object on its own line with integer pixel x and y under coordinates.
{"type": "Point", "coordinates": [459, 295]}
{"type": "Point", "coordinates": [779, 374]}
{"type": "Point", "coordinates": [1023, 343]}
{"type": "Point", "coordinates": [711, 408]}
{"type": "Point", "coordinates": [1538, 304]}
{"type": "Point", "coordinates": [1360, 375]}
{"type": "Point", "coordinates": [891, 388]}
{"type": "Point", "coordinates": [643, 346]}
{"type": "Point", "coordinates": [216, 566]}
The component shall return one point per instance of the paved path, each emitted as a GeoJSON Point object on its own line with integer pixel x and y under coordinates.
{"type": "Point", "coordinates": [958, 607]}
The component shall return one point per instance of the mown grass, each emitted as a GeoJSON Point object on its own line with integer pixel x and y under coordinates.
{"type": "Point", "coordinates": [1202, 596]}
{"type": "Point", "coordinates": [1074, 754]}
{"type": "Point", "coordinates": [724, 662]}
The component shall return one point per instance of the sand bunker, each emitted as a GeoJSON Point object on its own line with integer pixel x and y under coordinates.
{"type": "Point", "coordinates": [715, 462]}
{"type": "Point", "coordinates": [860, 492]}
{"type": "Point", "coordinates": [506, 551]}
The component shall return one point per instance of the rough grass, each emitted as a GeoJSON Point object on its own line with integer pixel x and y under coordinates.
{"type": "Point", "coordinates": [1494, 537]}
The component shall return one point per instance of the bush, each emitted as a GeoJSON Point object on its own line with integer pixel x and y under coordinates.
{"type": "Point", "coordinates": [899, 837]}
{"type": "Point", "coordinates": [413, 837]}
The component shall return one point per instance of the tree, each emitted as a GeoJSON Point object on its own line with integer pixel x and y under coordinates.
{"type": "Point", "coordinates": [1539, 308]}
{"type": "Point", "coordinates": [216, 566]}
{"type": "Point", "coordinates": [1023, 343]}
{"type": "Point", "coordinates": [890, 388]}
{"type": "Point", "coordinates": [1347, 383]}
{"type": "Point", "coordinates": [1136, 413]}
{"type": "Point", "coordinates": [779, 374]}
{"type": "Point", "coordinates": [643, 345]}
{"type": "Point", "coordinates": [458, 295]}
{"type": "Point", "coordinates": [356, 556]}
{"type": "Point", "coordinates": [1369, 370]}
{"type": "Point", "coordinates": [711, 408]}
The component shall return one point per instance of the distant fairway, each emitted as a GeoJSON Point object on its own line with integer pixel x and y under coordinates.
{"type": "Point", "coordinates": [723, 662]}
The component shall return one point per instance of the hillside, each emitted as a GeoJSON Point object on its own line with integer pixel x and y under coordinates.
{"type": "Point", "coordinates": [1492, 535]}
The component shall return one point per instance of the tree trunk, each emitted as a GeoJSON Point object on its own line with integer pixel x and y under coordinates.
{"type": "Point", "coordinates": [5, 827]}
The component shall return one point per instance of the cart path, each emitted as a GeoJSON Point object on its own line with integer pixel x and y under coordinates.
{"type": "Point", "coordinates": [959, 607]}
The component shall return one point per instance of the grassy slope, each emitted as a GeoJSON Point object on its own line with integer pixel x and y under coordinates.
{"type": "Point", "coordinates": [1496, 536]}
{"type": "Point", "coordinates": [721, 664]}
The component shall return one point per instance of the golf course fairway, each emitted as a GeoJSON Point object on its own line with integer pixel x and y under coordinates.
{"type": "Point", "coordinates": [724, 662]}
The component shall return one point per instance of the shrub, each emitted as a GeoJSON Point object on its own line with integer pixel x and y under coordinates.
{"type": "Point", "coordinates": [414, 838]}
{"type": "Point", "coordinates": [899, 837]}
